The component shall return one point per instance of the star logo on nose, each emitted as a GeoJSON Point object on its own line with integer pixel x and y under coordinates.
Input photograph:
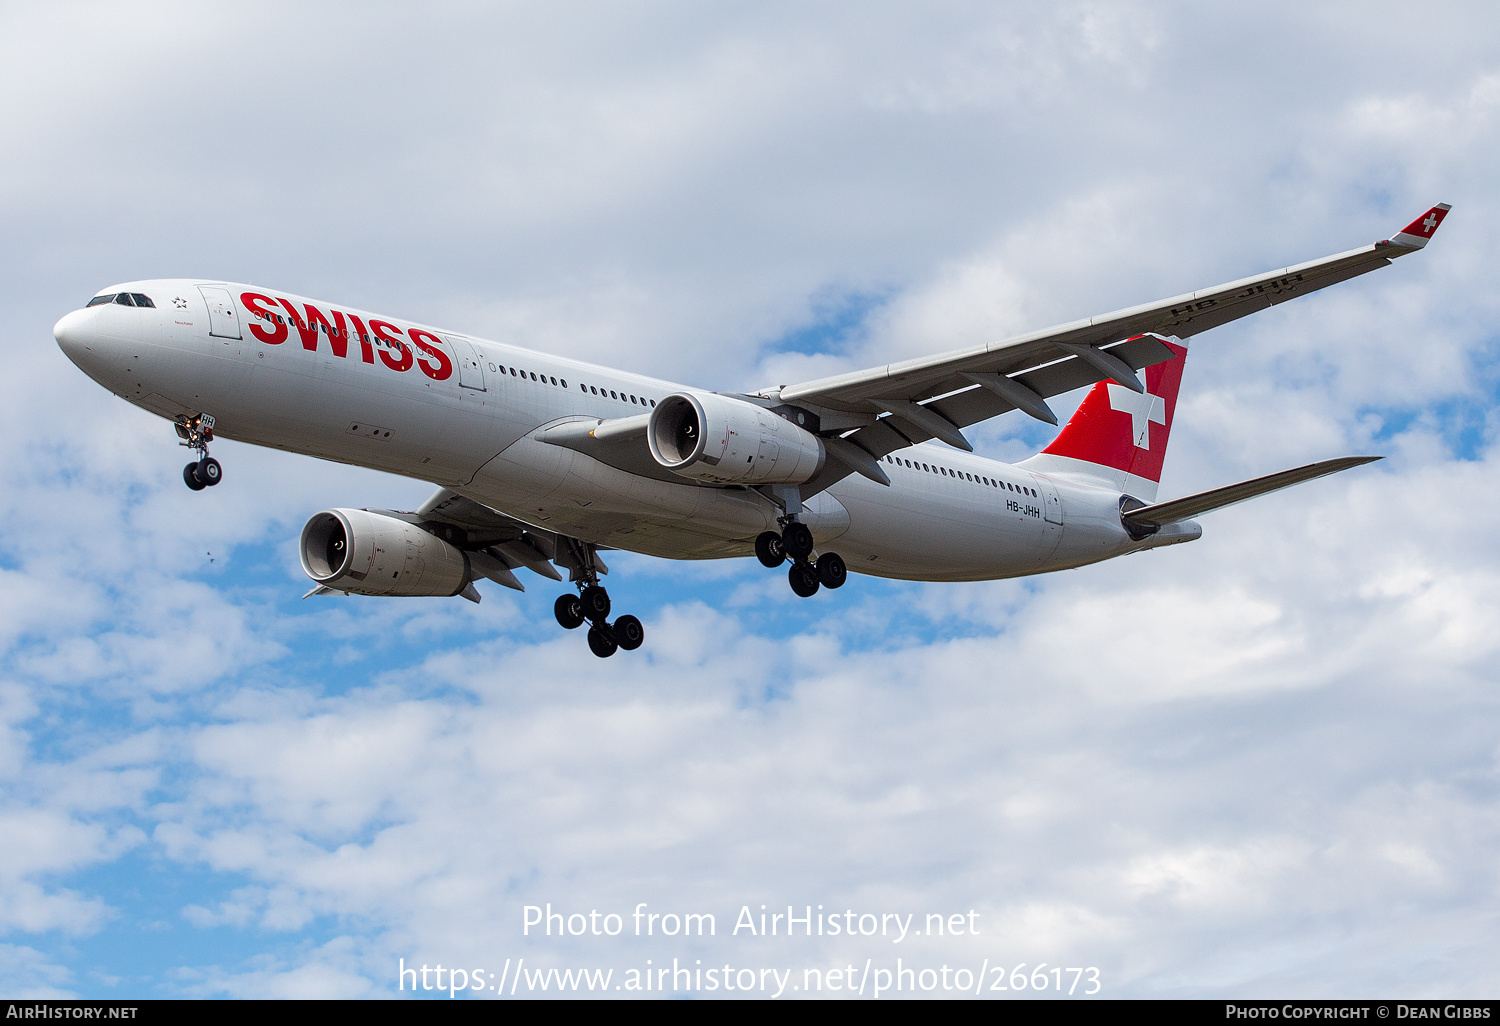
{"type": "Point", "coordinates": [179, 302]}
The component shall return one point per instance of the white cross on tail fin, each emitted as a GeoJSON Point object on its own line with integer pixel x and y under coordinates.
{"type": "Point", "coordinates": [1144, 410]}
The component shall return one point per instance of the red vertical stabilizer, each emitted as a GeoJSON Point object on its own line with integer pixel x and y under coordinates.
{"type": "Point", "coordinates": [1122, 431]}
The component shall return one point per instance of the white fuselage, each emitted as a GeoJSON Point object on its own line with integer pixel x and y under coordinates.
{"type": "Point", "coordinates": [341, 393]}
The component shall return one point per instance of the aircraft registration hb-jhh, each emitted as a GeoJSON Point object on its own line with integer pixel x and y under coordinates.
{"type": "Point", "coordinates": [544, 461]}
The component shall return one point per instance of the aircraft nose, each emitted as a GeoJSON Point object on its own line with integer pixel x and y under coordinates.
{"type": "Point", "coordinates": [75, 337]}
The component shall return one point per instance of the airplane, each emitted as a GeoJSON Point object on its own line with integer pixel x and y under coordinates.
{"type": "Point", "coordinates": [543, 462]}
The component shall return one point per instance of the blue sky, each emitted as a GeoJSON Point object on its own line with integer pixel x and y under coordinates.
{"type": "Point", "coordinates": [1262, 764]}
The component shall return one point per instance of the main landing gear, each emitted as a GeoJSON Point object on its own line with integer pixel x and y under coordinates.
{"type": "Point", "coordinates": [805, 575]}
{"type": "Point", "coordinates": [196, 433]}
{"type": "Point", "coordinates": [591, 606]}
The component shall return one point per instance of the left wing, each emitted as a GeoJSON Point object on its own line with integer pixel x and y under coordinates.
{"type": "Point", "coordinates": [865, 415]}
{"type": "Point", "coordinates": [897, 405]}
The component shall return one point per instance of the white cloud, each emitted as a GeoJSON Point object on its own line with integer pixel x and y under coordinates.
{"type": "Point", "coordinates": [27, 974]}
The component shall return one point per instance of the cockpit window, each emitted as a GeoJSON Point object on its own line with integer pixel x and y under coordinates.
{"type": "Point", "coordinates": [123, 299]}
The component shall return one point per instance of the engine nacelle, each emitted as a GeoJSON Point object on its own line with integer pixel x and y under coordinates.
{"type": "Point", "coordinates": [372, 554]}
{"type": "Point", "coordinates": [714, 438]}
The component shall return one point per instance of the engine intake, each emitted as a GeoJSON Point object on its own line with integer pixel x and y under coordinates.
{"type": "Point", "coordinates": [716, 439]}
{"type": "Point", "coordinates": [368, 553]}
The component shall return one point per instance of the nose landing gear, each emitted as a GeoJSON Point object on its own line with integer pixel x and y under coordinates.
{"type": "Point", "coordinates": [196, 433]}
{"type": "Point", "coordinates": [591, 605]}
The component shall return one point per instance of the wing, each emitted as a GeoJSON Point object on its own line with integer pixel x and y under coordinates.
{"type": "Point", "coordinates": [496, 543]}
{"type": "Point", "coordinates": [1163, 513]}
{"type": "Point", "coordinates": [891, 407]}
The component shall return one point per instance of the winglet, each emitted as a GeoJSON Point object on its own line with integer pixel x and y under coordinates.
{"type": "Point", "coordinates": [1416, 234]}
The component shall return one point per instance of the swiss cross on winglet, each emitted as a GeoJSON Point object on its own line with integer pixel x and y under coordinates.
{"type": "Point", "coordinates": [1416, 234]}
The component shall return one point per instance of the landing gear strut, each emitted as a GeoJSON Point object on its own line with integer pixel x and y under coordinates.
{"type": "Point", "coordinates": [591, 605]}
{"type": "Point", "coordinates": [796, 541]}
{"type": "Point", "coordinates": [196, 433]}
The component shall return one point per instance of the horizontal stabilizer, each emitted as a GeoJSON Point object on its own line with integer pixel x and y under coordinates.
{"type": "Point", "coordinates": [1216, 498]}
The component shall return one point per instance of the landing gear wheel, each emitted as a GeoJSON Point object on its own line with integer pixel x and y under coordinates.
{"type": "Point", "coordinates": [770, 549]}
{"type": "Point", "coordinates": [595, 603]}
{"type": "Point", "coordinates": [196, 432]}
{"type": "Point", "coordinates": [601, 643]}
{"type": "Point", "coordinates": [831, 570]}
{"type": "Point", "coordinates": [804, 579]}
{"type": "Point", "coordinates": [629, 633]}
{"type": "Point", "coordinates": [569, 611]}
{"type": "Point", "coordinates": [798, 540]}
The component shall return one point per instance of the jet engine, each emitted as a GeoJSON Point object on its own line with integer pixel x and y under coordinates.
{"type": "Point", "coordinates": [368, 553]}
{"type": "Point", "coordinates": [721, 440]}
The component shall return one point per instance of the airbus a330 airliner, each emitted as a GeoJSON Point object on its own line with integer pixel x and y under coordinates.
{"type": "Point", "coordinates": [541, 462]}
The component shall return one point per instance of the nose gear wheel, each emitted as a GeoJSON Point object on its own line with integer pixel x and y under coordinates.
{"type": "Point", "coordinates": [196, 433]}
